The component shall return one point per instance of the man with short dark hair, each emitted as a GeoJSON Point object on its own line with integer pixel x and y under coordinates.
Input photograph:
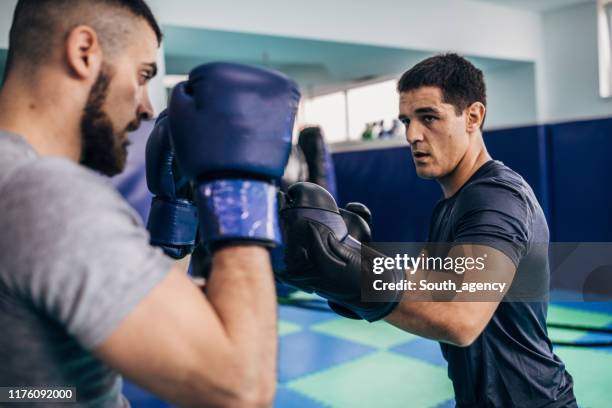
{"type": "Point", "coordinates": [83, 295]}
{"type": "Point", "coordinates": [498, 350]}
{"type": "Point", "coordinates": [498, 353]}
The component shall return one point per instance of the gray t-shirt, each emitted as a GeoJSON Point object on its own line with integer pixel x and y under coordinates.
{"type": "Point", "coordinates": [74, 261]}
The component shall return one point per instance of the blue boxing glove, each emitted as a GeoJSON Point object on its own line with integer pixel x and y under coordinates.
{"type": "Point", "coordinates": [231, 125]}
{"type": "Point", "coordinates": [173, 218]}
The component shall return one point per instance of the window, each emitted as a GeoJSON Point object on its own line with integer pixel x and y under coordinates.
{"type": "Point", "coordinates": [343, 116]}
{"type": "Point", "coordinates": [604, 25]}
{"type": "Point", "coordinates": [371, 103]}
{"type": "Point", "coordinates": [329, 112]}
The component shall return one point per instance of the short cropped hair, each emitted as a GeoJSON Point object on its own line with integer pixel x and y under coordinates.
{"type": "Point", "coordinates": [39, 26]}
{"type": "Point", "coordinates": [460, 81]}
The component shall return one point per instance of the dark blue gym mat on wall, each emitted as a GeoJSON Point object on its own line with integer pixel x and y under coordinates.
{"type": "Point", "coordinates": [568, 165]}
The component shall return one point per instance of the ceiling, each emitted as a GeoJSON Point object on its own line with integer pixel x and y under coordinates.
{"type": "Point", "coordinates": [538, 5]}
{"type": "Point", "coordinates": [318, 66]}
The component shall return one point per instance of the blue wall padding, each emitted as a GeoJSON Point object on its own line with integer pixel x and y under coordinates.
{"type": "Point", "coordinates": [569, 166]}
{"type": "Point", "coordinates": [581, 182]}
{"type": "Point", "coordinates": [385, 181]}
{"type": "Point", "coordinates": [523, 150]}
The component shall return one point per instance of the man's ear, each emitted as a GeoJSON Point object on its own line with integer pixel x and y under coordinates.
{"type": "Point", "coordinates": [83, 53]}
{"type": "Point", "coordinates": [475, 114]}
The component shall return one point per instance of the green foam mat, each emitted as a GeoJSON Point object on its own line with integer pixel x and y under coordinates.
{"type": "Point", "coordinates": [562, 314]}
{"type": "Point", "coordinates": [592, 372]}
{"type": "Point", "coordinates": [379, 334]}
{"type": "Point", "coordinates": [564, 334]}
{"type": "Point", "coordinates": [382, 380]}
{"type": "Point", "coordinates": [285, 328]}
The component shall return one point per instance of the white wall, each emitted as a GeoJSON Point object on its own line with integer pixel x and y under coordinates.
{"type": "Point", "coordinates": [511, 97]}
{"type": "Point", "coordinates": [467, 26]}
{"type": "Point", "coordinates": [157, 91]}
{"type": "Point", "coordinates": [6, 17]}
{"type": "Point", "coordinates": [562, 43]}
{"type": "Point", "coordinates": [569, 72]}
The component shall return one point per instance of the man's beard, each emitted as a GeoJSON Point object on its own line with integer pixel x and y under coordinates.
{"type": "Point", "coordinates": [101, 149]}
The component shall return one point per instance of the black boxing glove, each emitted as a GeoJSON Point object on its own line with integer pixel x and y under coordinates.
{"type": "Point", "coordinates": [358, 220]}
{"type": "Point", "coordinates": [321, 256]}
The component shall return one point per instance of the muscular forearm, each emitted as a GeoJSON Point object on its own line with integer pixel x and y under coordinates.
{"type": "Point", "coordinates": [241, 290]}
{"type": "Point", "coordinates": [449, 315]}
{"type": "Point", "coordinates": [442, 315]}
{"type": "Point", "coordinates": [455, 323]}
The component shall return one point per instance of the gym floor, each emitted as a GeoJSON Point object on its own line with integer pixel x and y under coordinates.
{"type": "Point", "coordinates": [328, 361]}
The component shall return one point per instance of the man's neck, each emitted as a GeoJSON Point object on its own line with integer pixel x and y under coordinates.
{"type": "Point", "coordinates": [39, 114]}
{"type": "Point", "coordinates": [469, 164]}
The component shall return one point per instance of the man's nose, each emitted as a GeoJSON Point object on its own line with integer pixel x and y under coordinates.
{"type": "Point", "coordinates": [413, 133]}
{"type": "Point", "coordinates": [145, 108]}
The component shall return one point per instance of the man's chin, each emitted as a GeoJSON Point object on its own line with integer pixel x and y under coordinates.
{"type": "Point", "coordinates": [112, 164]}
{"type": "Point", "coordinates": [117, 169]}
{"type": "Point", "coordinates": [425, 173]}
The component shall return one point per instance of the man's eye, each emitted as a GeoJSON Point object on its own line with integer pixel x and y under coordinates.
{"type": "Point", "coordinates": [405, 121]}
{"type": "Point", "coordinates": [429, 119]}
{"type": "Point", "coordinates": [145, 77]}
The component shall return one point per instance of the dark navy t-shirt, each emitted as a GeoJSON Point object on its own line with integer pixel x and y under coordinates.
{"type": "Point", "coordinates": [511, 363]}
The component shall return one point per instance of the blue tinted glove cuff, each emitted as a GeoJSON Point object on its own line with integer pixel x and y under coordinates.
{"type": "Point", "coordinates": [238, 210]}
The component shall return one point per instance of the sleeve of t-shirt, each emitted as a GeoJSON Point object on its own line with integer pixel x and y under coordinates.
{"type": "Point", "coordinates": [494, 214]}
{"type": "Point", "coordinates": [84, 254]}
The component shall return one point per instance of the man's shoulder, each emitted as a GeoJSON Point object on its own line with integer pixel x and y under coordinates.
{"type": "Point", "coordinates": [495, 184]}
{"type": "Point", "coordinates": [496, 174]}
{"type": "Point", "coordinates": [497, 189]}
{"type": "Point", "coordinates": [56, 185]}
{"type": "Point", "coordinates": [60, 174]}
